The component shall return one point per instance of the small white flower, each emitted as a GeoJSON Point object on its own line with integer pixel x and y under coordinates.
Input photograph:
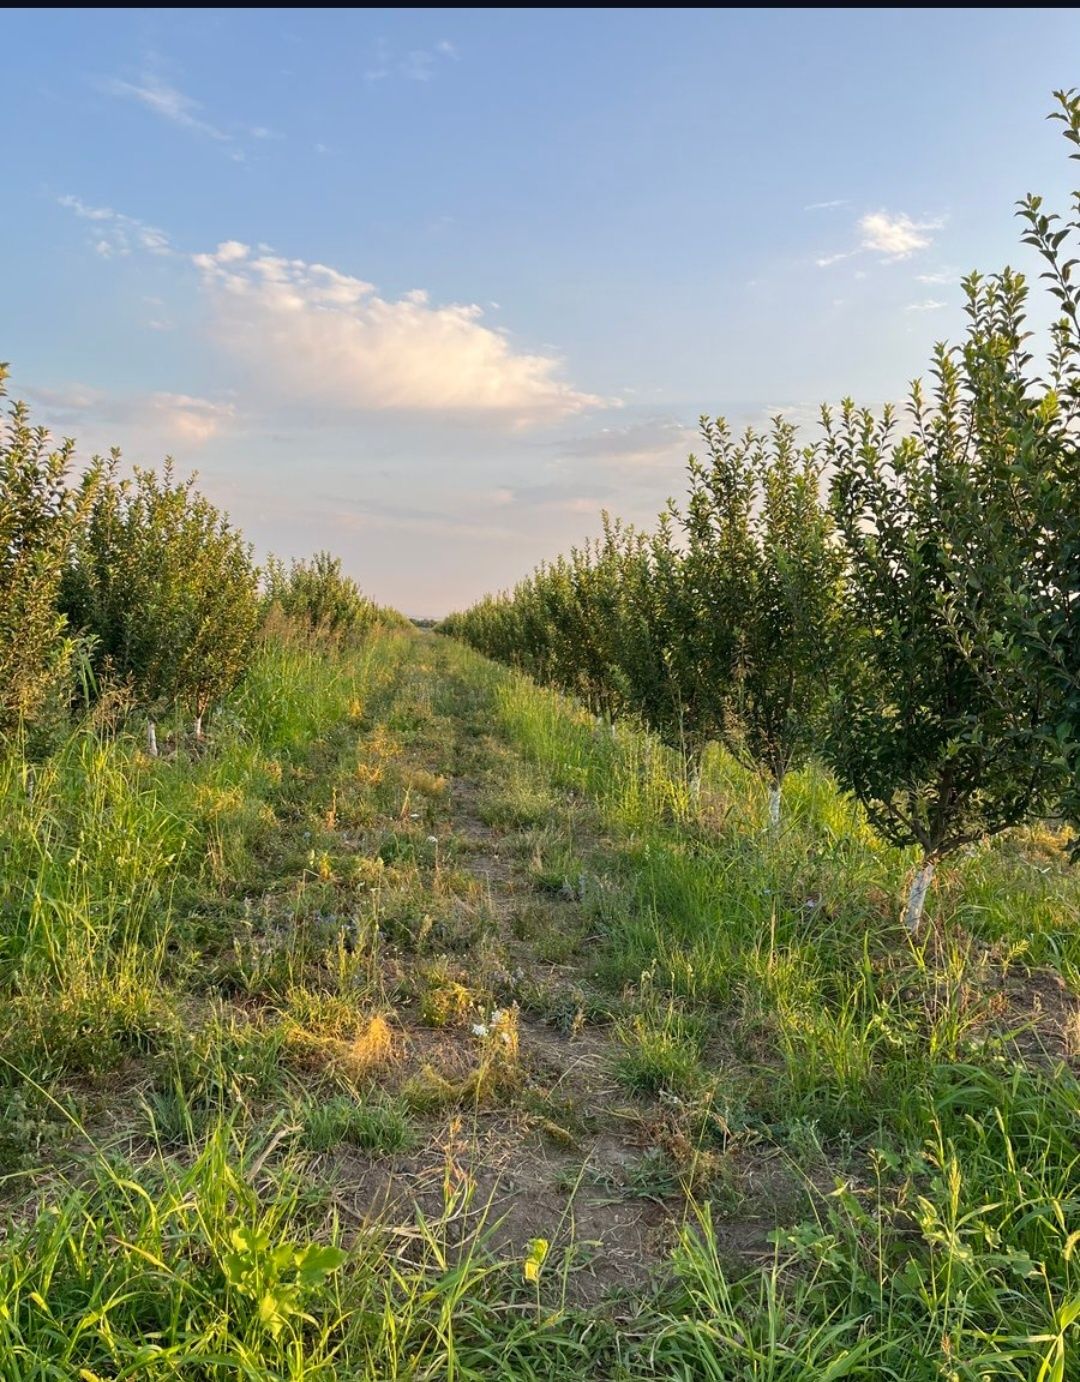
{"type": "Point", "coordinates": [480, 1029]}
{"type": "Point", "coordinates": [433, 839]}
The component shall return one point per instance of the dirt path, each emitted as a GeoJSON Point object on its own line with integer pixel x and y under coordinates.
{"type": "Point", "coordinates": [555, 1149]}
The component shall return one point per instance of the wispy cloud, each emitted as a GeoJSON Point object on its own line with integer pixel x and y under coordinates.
{"type": "Point", "coordinates": [406, 518]}
{"type": "Point", "coordinates": [659, 443]}
{"type": "Point", "coordinates": [169, 103]}
{"type": "Point", "coordinates": [891, 237]}
{"type": "Point", "coordinates": [827, 206]}
{"type": "Point", "coordinates": [897, 237]}
{"type": "Point", "coordinates": [927, 305]}
{"type": "Point", "coordinates": [310, 333]}
{"type": "Point", "coordinates": [116, 235]}
{"type": "Point", "coordinates": [167, 420]}
{"type": "Point", "coordinates": [417, 65]}
{"type": "Point", "coordinates": [166, 101]}
{"type": "Point", "coordinates": [939, 277]}
{"type": "Point", "coordinates": [157, 321]}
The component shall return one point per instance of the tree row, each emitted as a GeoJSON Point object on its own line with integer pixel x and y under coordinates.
{"type": "Point", "coordinates": [135, 583]}
{"type": "Point", "coordinates": [899, 596]}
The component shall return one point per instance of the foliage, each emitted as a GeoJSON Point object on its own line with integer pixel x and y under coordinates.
{"type": "Point", "coordinates": [958, 713]}
{"type": "Point", "coordinates": [278, 1278]}
{"type": "Point", "coordinates": [317, 596]}
{"type": "Point", "coordinates": [166, 587]}
{"type": "Point", "coordinates": [939, 755]}
{"type": "Point", "coordinates": [761, 580]}
{"type": "Point", "coordinates": [1017, 615]}
{"type": "Point", "coordinates": [40, 515]}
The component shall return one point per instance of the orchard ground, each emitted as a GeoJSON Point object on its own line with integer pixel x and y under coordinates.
{"type": "Point", "coordinates": [417, 1025]}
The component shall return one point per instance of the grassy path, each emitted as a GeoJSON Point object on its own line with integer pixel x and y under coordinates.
{"type": "Point", "coordinates": [424, 1028]}
{"type": "Point", "coordinates": [516, 1093]}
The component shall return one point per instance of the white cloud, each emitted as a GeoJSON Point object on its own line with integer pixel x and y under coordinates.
{"type": "Point", "coordinates": [160, 419]}
{"type": "Point", "coordinates": [117, 234]}
{"type": "Point", "coordinates": [229, 251]}
{"type": "Point", "coordinates": [307, 332]}
{"type": "Point", "coordinates": [179, 109]}
{"type": "Point", "coordinates": [894, 237]}
{"type": "Point", "coordinates": [823, 261]}
{"type": "Point", "coordinates": [927, 305]}
{"type": "Point", "coordinates": [168, 102]}
{"type": "Point", "coordinates": [69, 402]}
{"type": "Point", "coordinates": [898, 237]}
{"type": "Point", "coordinates": [194, 420]}
{"type": "Point", "coordinates": [938, 277]}
{"type": "Point", "coordinates": [826, 206]}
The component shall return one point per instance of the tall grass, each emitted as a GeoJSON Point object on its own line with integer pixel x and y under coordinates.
{"type": "Point", "coordinates": [935, 1146]}
{"type": "Point", "coordinates": [104, 848]}
{"type": "Point", "coordinates": [922, 1204]}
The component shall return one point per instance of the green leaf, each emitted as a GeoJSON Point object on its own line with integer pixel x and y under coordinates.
{"type": "Point", "coordinates": [317, 1261]}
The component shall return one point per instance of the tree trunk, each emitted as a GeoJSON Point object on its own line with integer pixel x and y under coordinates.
{"type": "Point", "coordinates": [917, 895]}
{"type": "Point", "coordinates": [151, 739]}
{"type": "Point", "coordinates": [198, 729]}
{"type": "Point", "coordinates": [774, 805]}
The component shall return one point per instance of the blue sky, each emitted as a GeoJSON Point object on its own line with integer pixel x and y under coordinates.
{"type": "Point", "coordinates": [431, 288]}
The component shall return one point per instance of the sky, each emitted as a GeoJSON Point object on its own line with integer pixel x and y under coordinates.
{"type": "Point", "coordinates": [432, 289]}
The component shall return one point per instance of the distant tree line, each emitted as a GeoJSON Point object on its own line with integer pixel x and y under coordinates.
{"type": "Point", "coordinates": [137, 582]}
{"type": "Point", "coordinates": [901, 600]}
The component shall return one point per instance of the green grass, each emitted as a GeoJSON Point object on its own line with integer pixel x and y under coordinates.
{"type": "Point", "coordinates": [214, 968]}
{"type": "Point", "coordinates": [379, 1128]}
{"type": "Point", "coordinates": [945, 1249]}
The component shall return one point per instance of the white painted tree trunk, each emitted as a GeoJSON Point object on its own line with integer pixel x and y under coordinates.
{"type": "Point", "coordinates": [774, 807]}
{"type": "Point", "coordinates": [198, 728]}
{"type": "Point", "coordinates": [151, 739]}
{"type": "Point", "coordinates": [917, 896]}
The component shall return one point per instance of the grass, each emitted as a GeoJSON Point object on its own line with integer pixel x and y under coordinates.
{"type": "Point", "coordinates": [409, 912]}
{"type": "Point", "coordinates": [381, 1128]}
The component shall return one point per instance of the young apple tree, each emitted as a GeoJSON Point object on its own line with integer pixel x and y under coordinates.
{"type": "Point", "coordinates": [940, 751]}
{"type": "Point", "coordinates": [1017, 609]}
{"type": "Point", "coordinates": [167, 589]}
{"type": "Point", "coordinates": [41, 512]}
{"type": "Point", "coordinates": [318, 596]}
{"type": "Point", "coordinates": [763, 576]}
